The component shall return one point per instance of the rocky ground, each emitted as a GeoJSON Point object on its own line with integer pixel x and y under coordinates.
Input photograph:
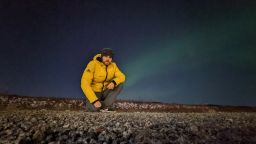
{"type": "Point", "coordinates": [48, 126]}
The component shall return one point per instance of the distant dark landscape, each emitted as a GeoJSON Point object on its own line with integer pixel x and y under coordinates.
{"type": "Point", "coordinates": [53, 103]}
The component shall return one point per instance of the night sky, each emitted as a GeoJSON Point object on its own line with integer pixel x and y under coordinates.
{"type": "Point", "coordinates": [191, 52]}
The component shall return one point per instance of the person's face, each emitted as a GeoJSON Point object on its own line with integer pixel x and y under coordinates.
{"type": "Point", "coordinates": [106, 60]}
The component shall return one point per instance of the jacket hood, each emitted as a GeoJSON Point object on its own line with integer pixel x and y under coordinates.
{"type": "Point", "coordinates": [97, 57]}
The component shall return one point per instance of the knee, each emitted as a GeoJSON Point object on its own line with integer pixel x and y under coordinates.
{"type": "Point", "coordinates": [120, 86]}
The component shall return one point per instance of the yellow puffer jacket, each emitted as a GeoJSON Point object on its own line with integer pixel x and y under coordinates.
{"type": "Point", "coordinates": [97, 76]}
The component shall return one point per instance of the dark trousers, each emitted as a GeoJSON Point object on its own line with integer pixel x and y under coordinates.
{"type": "Point", "coordinates": [107, 98]}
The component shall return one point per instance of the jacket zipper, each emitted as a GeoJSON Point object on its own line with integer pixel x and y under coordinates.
{"type": "Point", "coordinates": [105, 77]}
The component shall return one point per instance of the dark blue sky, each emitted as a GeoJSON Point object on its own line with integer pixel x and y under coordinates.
{"type": "Point", "coordinates": [179, 51]}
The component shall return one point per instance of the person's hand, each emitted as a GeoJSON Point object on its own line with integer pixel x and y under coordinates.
{"type": "Point", "coordinates": [111, 85]}
{"type": "Point", "coordinates": [97, 104]}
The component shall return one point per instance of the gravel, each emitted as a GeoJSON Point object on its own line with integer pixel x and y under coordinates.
{"type": "Point", "coordinates": [48, 126]}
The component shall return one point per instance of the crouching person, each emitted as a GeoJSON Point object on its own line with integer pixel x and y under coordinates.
{"type": "Point", "coordinates": [101, 82]}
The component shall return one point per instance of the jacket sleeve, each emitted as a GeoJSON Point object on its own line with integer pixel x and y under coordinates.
{"type": "Point", "coordinates": [86, 82]}
{"type": "Point", "coordinates": [119, 76]}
